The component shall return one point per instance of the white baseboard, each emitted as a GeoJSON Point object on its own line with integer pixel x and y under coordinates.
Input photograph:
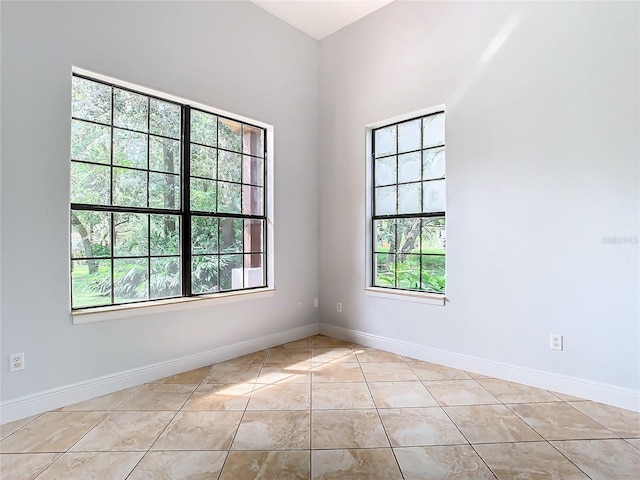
{"type": "Point", "coordinates": [69, 394]}
{"type": "Point", "coordinates": [578, 387]}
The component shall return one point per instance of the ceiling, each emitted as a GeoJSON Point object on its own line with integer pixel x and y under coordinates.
{"type": "Point", "coordinates": [320, 18]}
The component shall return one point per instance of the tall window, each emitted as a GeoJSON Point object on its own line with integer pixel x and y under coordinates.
{"type": "Point", "coordinates": [166, 200]}
{"type": "Point", "coordinates": [409, 236]}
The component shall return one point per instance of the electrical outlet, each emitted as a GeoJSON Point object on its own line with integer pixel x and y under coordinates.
{"type": "Point", "coordinates": [299, 306]}
{"type": "Point", "coordinates": [339, 307]}
{"type": "Point", "coordinates": [316, 303]}
{"type": "Point", "coordinates": [16, 362]}
{"type": "Point", "coordinates": [556, 342]}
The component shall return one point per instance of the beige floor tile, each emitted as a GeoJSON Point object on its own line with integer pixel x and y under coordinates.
{"type": "Point", "coordinates": [388, 372]}
{"type": "Point", "coordinates": [157, 396]}
{"type": "Point", "coordinates": [24, 466]}
{"type": "Point", "coordinates": [339, 396]}
{"type": "Point", "coordinates": [199, 430]}
{"type": "Point", "coordinates": [189, 465]}
{"type": "Point", "coordinates": [215, 396]}
{"type": "Point", "coordinates": [352, 464]}
{"type": "Point", "coordinates": [568, 398]}
{"type": "Point", "coordinates": [624, 423]}
{"type": "Point", "coordinates": [603, 459]}
{"type": "Point", "coordinates": [347, 429]}
{"type": "Point", "coordinates": [510, 392]}
{"type": "Point", "coordinates": [324, 341]}
{"type": "Point", "coordinates": [288, 356]}
{"type": "Point", "coordinates": [451, 462]}
{"type": "Point", "coordinates": [337, 372]}
{"type": "Point", "coordinates": [11, 427]}
{"type": "Point", "coordinates": [51, 432]}
{"type": "Point", "coordinates": [433, 371]}
{"type": "Point", "coordinates": [333, 355]}
{"type": "Point", "coordinates": [302, 343]}
{"type": "Point", "coordinates": [414, 427]}
{"type": "Point", "coordinates": [232, 373]}
{"type": "Point", "coordinates": [491, 424]}
{"type": "Point", "coordinates": [284, 374]}
{"type": "Point", "coordinates": [190, 377]}
{"type": "Point", "coordinates": [560, 421]}
{"type": "Point", "coordinates": [477, 375]}
{"type": "Point", "coordinates": [289, 396]}
{"type": "Point", "coordinates": [261, 465]}
{"type": "Point", "coordinates": [401, 394]}
{"type": "Point", "coordinates": [92, 466]}
{"type": "Point", "coordinates": [256, 358]}
{"type": "Point", "coordinates": [634, 441]}
{"type": "Point", "coordinates": [110, 401]}
{"type": "Point", "coordinates": [125, 431]}
{"type": "Point", "coordinates": [532, 460]}
{"type": "Point", "coordinates": [460, 392]}
{"type": "Point", "coordinates": [368, 355]}
{"type": "Point", "coordinates": [273, 430]}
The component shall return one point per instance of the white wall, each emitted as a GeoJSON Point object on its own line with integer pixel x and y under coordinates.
{"type": "Point", "coordinates": [233, 56]}
{"type": "Point", "coordinates": [542, 134]}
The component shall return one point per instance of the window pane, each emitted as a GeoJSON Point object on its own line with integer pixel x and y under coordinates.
{"type": "Point", "coordinates": [90, 142]}
{"type": "Point", "coordinates": [253, 271]}
{"type": "Point", "coordinates": [409, 167]}
{"type": "Point", "coordinates": [165, 277]}
{"type": "Point", "coordinates": [91, 100]}
{"type": "Point", "coordinates": [409, 198]}
{"type": "Point", "coordinates": [253, 235]}
{"type": "Point", "coordinates": [385, 235]}
{"type": "Point", "coordinates": [130, 237]}
{"type": "Point", "coordinates": [90, 283]}
{"type": "Point", "coordinates": [203, 195]}
{"type": "Point", "coordinates": [130, 110]}
{"type": "Point", "coordinates": [385, 171]}
{"type": "Point", "coordinates": [165, 118]}
{"type": "Point", "coordinates": [385, 141]}
{"type": "Point", "coordinates": [433, 273]}
{"type": "Point", "coordinates": [129, 149]}
{"type": "Point", "coordinates": [434, 238]}
{"type": "Point", "coordinates": [253, 170]}
{"type": "Point", "coordinates": [385, 200]}
{"type": "Point", "coordinates": [433, 131]}
{"type": "Point", "coordinates": [90, 184]}
{"type": "Point", "coordinates": [229, 197]}
{"type": "Point", "coordinates": [434, 163]}
{"type": "Point", "coordinates": [164, 155]}
{"type": "Point", "coordinates": [252, 200]}
{"type": "Point", "coordinates": [204, 235]}
{"type": "Point", "coordinates": [229, 135]}
{"type": "Point", "coordinates": [433, 196]}
{"type": "Point", "coordinates": [231, 275]}
{"type": "Point", "coordinates": [204, 128]}
{"type": "Point", "coordinates": [129, 187]}
{"type": "Point", "coordinates": [203, 161]}
{"type": "Point", "coordinates": [408, 272]}
{"type": "Point", "coordinates": [409, 136]}
{"type": "Point", "coordinates": [90, 234]}
{"type": "Point", "coordinates": [130, 279]}
{"type": "Point", "coordinates": [165, 235]}
{"type": "Point", "coordinates": [385, 274]}
{"type": "Point", "coordinates": [204, 273]}
{"type": "Point", "coordinates": [253, 140]}
{"type": "Point", "coordinates": [164, 191]}
{"type": "Point", "coordinates": [229, 166]}
{"type": "Point", "coordinates": [231, 235]}
{"type": "Point", "coordinates": [408, 235]}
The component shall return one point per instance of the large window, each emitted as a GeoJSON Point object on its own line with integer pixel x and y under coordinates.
{"type": "Point", "coordinates": [408, 195]}
{"type": "Point", "coordinates": [166, 200]}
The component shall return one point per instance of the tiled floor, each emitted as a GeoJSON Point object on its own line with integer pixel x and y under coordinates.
{"type": "Point", "coordinates": [321, 408]}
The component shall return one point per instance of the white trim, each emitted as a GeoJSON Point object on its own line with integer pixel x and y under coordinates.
{"type": "Point", "coordinates": [69, 394]}
{"type": "Point", "coordinates": [406, 295]}
{"type": "Point", "coordinates": [579, 387]}
{"type": "Point", "coordinates": [130, 310]}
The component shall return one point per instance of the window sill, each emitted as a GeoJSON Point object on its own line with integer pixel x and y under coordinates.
{"type": "Point", "coordinates": [407, 296]}
{"type": "Point", "coordinates": [118, 312]}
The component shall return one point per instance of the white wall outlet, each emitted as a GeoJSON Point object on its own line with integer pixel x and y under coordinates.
{"type": "Point", "coordinates": [299, 306]}
{"type": "Point", "coordinates": [16, 362]}
{"type": "Point", "coordinates": [316, 303]}
{"type": "Point", "coordinates": [339, 307]}
{"type": "Point", "coordinates": [556, 341]}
